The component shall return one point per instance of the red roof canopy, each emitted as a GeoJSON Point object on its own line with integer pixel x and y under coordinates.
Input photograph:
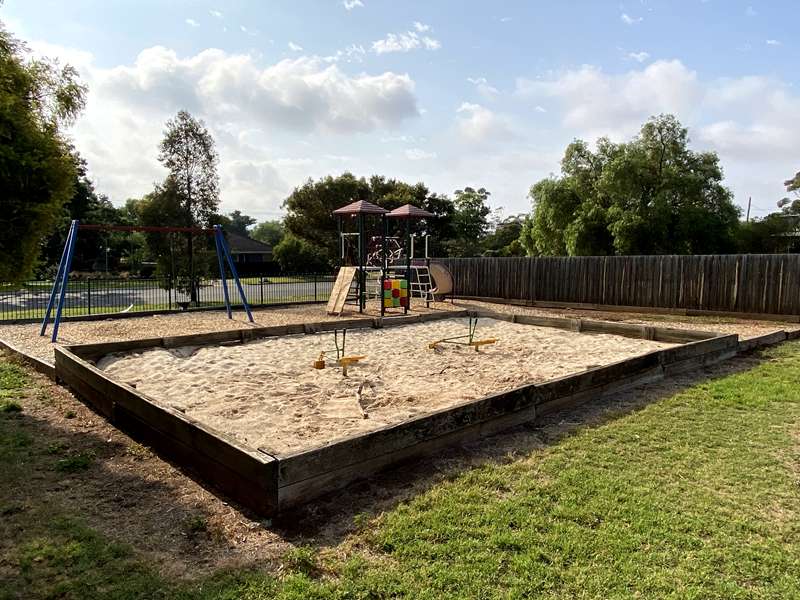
{"type": "Point", "coordinates": [409, 211]}
{"type": "Point", "coordinates": [361, 207]}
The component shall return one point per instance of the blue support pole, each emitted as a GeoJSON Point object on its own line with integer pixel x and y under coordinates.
{"type": "Point", "coordinates": [57, 280]}
{"type": "Point", "coordinates": [217, 240]}
{"type": "Point", "coordinates": [65, 280]}
{"type": "Point", "coordinates": [235, 274]}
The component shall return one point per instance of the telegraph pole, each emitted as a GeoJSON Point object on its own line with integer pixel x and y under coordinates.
{"type": "Point", "coordinates": [749, 200]}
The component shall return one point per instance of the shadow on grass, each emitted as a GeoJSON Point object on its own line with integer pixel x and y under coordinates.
{"type": "Point", "coordinates": [61, 478]}
{"type": "Point", "coordinates": [326, 521]}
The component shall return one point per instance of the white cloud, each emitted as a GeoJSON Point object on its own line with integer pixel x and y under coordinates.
{"type": "Point", "coordinates": [748, 120]}
{"type": "Point", "coordinates": [295, 47]}
{"type": "Point", "coordinates": [351, 4]}
{"type": "Point", "coordinates": [484, 88]}
{"type": "Point", "coordinates": [405, 42]}
{"type": "Point", "coordinates": [192, 23]}
{"type": "Point", "coordinates": [540, 109]}
{"type": "Point", "coordinates": [353, 53]}
{"type": "Point", "coordinates": [758, 119]}
{"type": "Point", "coordinates": [215, 13]}
{"type": "Point", "coordinates": [505, 19]}
{"type": "Point", "coordinates": [628, 20]}
{"type": "Point", "coordinates": [639, 56]}
{"type": "Point", "coordinates": [596, 103]}
{"type": "Point", "coordinates": [421, 27]}
{"type": "Point", "coordinates": [419, 154]}
{"type": "Point", "coordinates": [248, 31]}
{"type": "Point", "coordinates": [750, 11]}
{"type": "Point", "coordinates": [240, 99]}
{"type": "Point", "coordinates": [478, 124]}
{"type": "Point", "coordinates": [773, 43]}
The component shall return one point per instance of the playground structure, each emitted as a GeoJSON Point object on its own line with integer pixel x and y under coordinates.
{"type": "Point", "coordinates": [385, 266]}
{"type": "Point", "coordinates": [60, 284]}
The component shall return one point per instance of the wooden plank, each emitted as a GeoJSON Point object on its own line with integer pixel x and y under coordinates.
{"type": "Point", "coordinates": [87, 381]}
{"type": "Point", "coordinates": [598, 376]}
{"type": "Point", "coordinates": [680, 336]}
{"type": "Point", "coordinates": [583, 396]}
{"type": "Point", "coordinates": [761, 341]}
{"type": "Point", "coordinates": [258, 492]}
{"type": "Point", "coordinates": [97, 350]}
{"type": "Point", "coordinates": [308, 464]}
{"type": "Point", "coordinates": [556, 322]}
{"type": "Point", "coordinates": [699, 361]}
{"type": "Point", "coordinates": [200, 339]}
{"type": "Point", "coordinates": [341, 288]}
{"type": "Point", "coordinates": [34, 362]}
{"type": "Point", "coordinates": [692, 349]}
{"type": "Point", "coordinates": [302, 491]}
{"type": "Point", "coordinates": [227, 463]}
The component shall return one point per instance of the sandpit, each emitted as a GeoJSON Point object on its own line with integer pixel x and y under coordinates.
{"type": "Point", "coordinates": [267, 395]}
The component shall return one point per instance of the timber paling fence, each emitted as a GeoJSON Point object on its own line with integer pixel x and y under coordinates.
{"type": "Point", "coordinates": [107, 296]}
{"type": "Point", "coordinates": [744, 283]}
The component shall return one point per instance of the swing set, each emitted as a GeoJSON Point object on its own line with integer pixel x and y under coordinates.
{"type": "Point", "coordinates": [59, 291]}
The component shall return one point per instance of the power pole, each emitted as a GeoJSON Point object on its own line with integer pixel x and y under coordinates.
{"type": "Point", "coordinates": [749, 201]}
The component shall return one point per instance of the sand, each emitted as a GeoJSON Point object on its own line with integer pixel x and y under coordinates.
{"type": "Point", "coordinates": [267, 395]}
{"type": "Point", "coordinates": [26, 337]}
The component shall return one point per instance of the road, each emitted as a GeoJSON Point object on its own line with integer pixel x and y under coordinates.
{"type": "Point", "coordinates": [109, 299]}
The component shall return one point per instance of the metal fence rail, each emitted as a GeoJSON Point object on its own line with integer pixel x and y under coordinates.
{"type": "Point", "coordinates": [118, 295]}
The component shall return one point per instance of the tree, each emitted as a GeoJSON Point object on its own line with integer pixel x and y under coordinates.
{"type": "Point", "coordinates": [239, 222]}
{"type": "Point", "coordinates": [652, 195]}
{"type": "Point", "coordinates": [309, 210]}
{"type": "Point", "coordinates": [470, 221]}
{"type": "Point", "coordinates": [310, 207]}
{"type": "Point", "coordinates": [164, 206]}
{"type": "Point", "coordinates": [793, 184]}
{"type": "Point", "coordinates": [188, 151]}
{"type": "Point", "coordinates": [504, 239]}
{"type": "Point", "coordinates": [37, 171]}
{"type": "Point", "coordinates": [268, 232]}
{"type": "Point", "coordinates": [91, 248]}
{"type": "Point", "coordinates": [296, 255]}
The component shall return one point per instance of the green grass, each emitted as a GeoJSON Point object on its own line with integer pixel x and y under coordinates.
{"type": "Point", "coordinates": [74, 463]}
{"type": "Point", "coordinates": [696, 495]}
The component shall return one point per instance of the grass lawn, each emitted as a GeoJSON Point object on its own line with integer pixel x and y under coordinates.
{"type": "Point", "coordinates": [693, 495]}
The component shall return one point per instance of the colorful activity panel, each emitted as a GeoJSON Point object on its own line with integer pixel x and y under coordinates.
{"type": "Point", "coordinates": [395, 293]}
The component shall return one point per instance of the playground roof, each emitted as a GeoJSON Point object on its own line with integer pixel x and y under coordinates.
{"type": "Point", "coordinates": [361, 207]}
{"type": "Point", "coordinates": [409, 211]}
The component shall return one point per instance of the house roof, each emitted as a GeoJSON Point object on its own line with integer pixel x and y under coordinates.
{"type": "Point", "coordinates": [241, 244]}
{"type": "Point", "coordinates": [409, 211]}
{"type": "Point", "coordinates": [361, 207]}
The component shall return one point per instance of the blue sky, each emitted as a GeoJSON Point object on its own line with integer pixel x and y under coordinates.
{"type": "Point", "coordinates": [449, 93]}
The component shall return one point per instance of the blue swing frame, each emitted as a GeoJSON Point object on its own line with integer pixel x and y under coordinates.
{"type": "Point", "coordinates": [62, 276]}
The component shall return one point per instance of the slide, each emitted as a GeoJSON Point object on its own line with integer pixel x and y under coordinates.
{"type": "Point", "coordinates": [442, 278]}
{"type": "Point", "coordinates": [340, 290]}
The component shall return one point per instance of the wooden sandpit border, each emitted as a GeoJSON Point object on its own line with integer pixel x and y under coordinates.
{"type": "Point", "coordinates": [269, 483]}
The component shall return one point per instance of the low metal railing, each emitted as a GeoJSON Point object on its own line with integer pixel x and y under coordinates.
{"type": "Point", "coordinates": [109, 296]}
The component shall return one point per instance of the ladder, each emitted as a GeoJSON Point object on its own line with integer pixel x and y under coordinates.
{"type": "Point", "coordinates": [421, 283]}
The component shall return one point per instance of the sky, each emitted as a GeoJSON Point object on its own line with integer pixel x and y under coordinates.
{"type": "Point", "coordinates": [450, 93]}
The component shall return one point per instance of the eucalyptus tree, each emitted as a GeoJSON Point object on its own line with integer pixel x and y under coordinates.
{"type": "Point", "coordinates": [188, 151]}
